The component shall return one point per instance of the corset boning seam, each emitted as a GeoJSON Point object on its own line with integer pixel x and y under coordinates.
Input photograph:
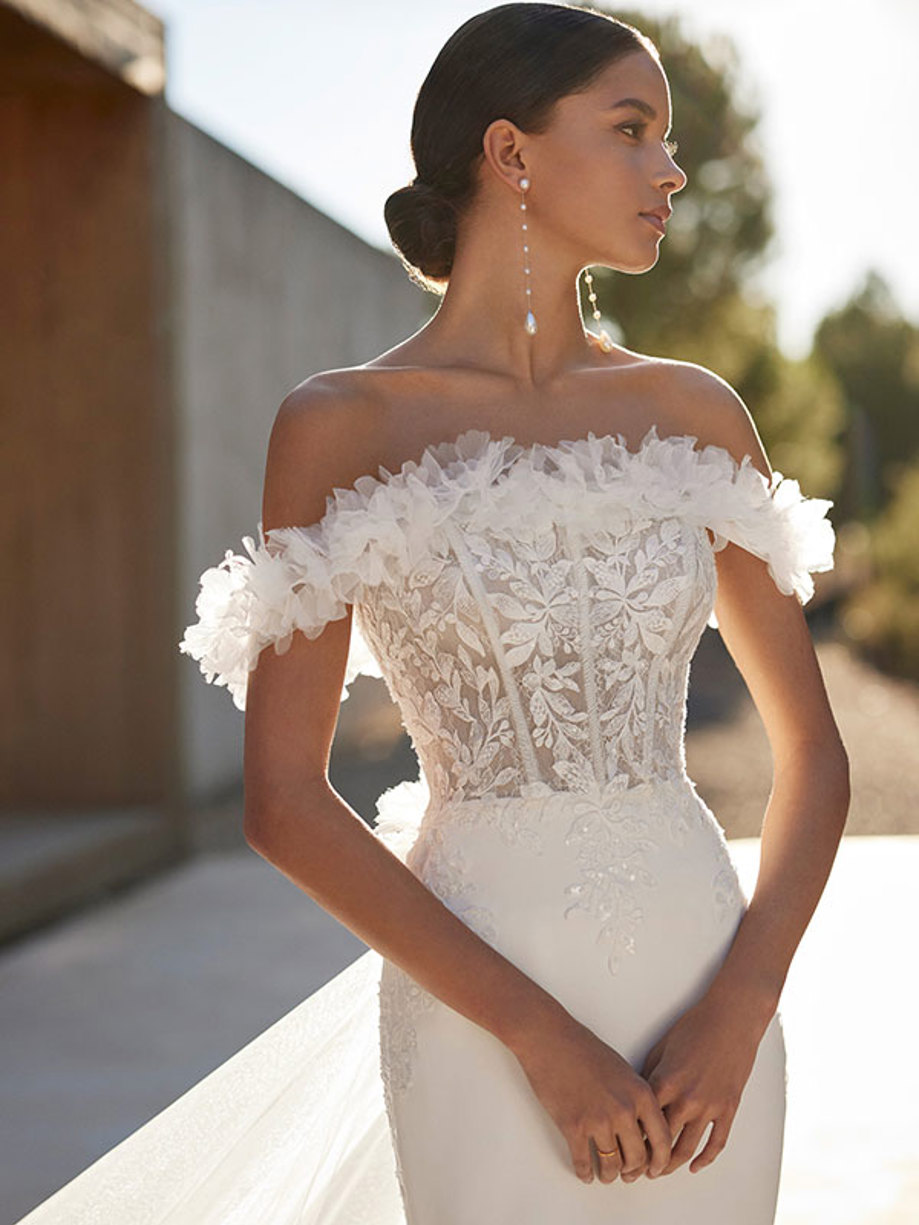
{"type": "Point", "coordinates": [588, 663]}
{"type": "Point", "coordinates": [478, 592]}
{"type": "Point", "coordinates": [677, 616]}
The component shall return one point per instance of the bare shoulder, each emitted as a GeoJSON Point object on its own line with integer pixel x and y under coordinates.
{"type": "Point", "coordinates": [711, 409]}
{"type": "Point", "coordinates": [324, 436]}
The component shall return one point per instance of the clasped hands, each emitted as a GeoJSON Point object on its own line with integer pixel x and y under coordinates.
{"type": "Point", "coordinates": [698, 1070]}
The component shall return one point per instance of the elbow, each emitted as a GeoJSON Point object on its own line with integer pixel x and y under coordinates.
{"type": "Point", "coordinates": [253, 833]}
{"type": "Point", "coordinates": [824, 762]}
{"type": "Point", "coordinates": [824, 753]}
{"type": "Point", "coordinates": [276, 819]}
{"type": "Point", "coordinates": [840, 768]}
{"type": "Point", "coordinates": [836, 782]}
{"type": "Point", "coordinates": [837, 772]}
{"type": "Point", "coordinates": [257, 831]}
{"type": "Point", "coordinates": [262, 809]}
{"type": "Point", "coordinates": [845, 772]}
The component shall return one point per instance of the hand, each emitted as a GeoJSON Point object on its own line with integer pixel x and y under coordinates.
{"type": "Point", "coordinates": [698, 1071]}
{"type": "Point", "coordinates": [593, 1094]}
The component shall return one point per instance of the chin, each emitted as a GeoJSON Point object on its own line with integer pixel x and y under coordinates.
{"type": "Point", "coordinates": [637, 260]}
{"type": "Point", "coordinates": [636, 267]}
{"type": "Point", "coordinates": [651, 258]}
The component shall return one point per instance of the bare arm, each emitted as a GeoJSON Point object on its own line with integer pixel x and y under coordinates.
{"type": "Point", "coordinates": [767, 636]}
{"type": "Point", "coordinates": [293, 816]}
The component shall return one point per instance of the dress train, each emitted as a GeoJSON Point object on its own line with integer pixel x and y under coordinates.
{"type": "Point", "coordinates": [290, 1130]}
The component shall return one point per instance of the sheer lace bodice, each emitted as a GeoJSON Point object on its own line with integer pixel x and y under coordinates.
{"type": "Point", "coordinates": [533, 610]}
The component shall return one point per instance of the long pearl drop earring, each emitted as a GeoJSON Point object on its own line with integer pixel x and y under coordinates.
{"type": "Point", "coordinates": [606, 341]}
{"type": "Point", "coordinates": [530, 323]}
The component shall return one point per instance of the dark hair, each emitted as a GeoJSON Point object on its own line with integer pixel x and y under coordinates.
{"type": "Point", "coordinates": [512, 62]}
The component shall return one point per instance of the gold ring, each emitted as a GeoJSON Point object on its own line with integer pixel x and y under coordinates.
{"type": "Point", "coordinates": [613, 1153]}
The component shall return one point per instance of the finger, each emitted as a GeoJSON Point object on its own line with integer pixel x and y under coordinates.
{"type": "Point", "coordinates": [635, 1153]}
{"type": "Point", "coordinates": [716, 1143]}
{"type": "Point", "coordinates": [674, 1122]}
{"type": "Point", "coordinates": [609, 1160]}
{"type": "Point", "coordinates": [668, 1109]}
{"type": "Point", "coordinates": [660, 1139]}
{"type": "Point", "coordinates": [581, 1157]}
{"type": "Point", "coordinates": [632, 1175]}
{"type": "Point", "coordinates": [686, 1144]}
{"type": "Point", "coordinates": [651, 1060]}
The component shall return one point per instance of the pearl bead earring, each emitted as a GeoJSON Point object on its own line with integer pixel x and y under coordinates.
{"type": "Point", "coordinates": [530, 323]}
{"type": "Point", "coordinates": [606, 341]}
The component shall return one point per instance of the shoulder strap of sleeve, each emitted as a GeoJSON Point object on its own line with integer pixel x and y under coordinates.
{"type": "Point", "coordinates": [245, 603]}
{"type": "Point", "coordinates": [777, 523]}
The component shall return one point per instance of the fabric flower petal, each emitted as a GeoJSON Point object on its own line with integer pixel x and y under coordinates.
{"type": "Point", "coordinates": [382, 527]}
{"type": "Point", "coordinates": [245, 603]}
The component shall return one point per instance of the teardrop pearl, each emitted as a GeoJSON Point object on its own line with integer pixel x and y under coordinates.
{"type": "Point", "coordinates": [531, 323]}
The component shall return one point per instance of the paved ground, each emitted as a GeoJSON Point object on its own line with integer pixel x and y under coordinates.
{"type": "Point", "coordinates": [878, 717]}
{"type": "Point", "coordinates": [107, 1017]}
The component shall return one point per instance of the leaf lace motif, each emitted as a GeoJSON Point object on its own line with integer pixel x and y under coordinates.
{"type": "Point", "coordinates": [615, 830]}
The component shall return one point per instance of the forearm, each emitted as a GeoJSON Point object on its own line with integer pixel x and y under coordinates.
{"type": "Point", "coordinates": [802, 828]}
{"type": "Point", "coordinates": [326, 849]}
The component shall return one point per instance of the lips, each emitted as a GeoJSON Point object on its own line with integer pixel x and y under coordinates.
{"type": "Point", "coordinates": [658, 216]}
{"type": "Point", "coordinates": [657, 222]}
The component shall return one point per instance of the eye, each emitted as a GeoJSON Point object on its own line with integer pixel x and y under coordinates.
{"type": "Point", "coordinates": [670, 145]}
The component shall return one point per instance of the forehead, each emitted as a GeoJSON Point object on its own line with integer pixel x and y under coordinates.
{"type": "Point", "coordinates": [637, 76]}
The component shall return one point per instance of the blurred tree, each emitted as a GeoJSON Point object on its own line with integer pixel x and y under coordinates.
{"type": "Point", "coordinates": [874, 352]}
{"type": "Point", "coordinates": [882, 616]}
{"type": "Point", "coordinates": [800, 413]}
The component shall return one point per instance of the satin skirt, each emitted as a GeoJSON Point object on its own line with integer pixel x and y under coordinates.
{"type": "Point", "coordinates": [373, 1103]}
{"type": "Point", "coordinates": [622, 904]}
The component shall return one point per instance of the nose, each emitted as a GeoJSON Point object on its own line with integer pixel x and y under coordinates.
{"type": "Point", "coordinates": [673, 178]}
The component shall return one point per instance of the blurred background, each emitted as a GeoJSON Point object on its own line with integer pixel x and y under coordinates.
{"type": "Point", "coordinates": [192, 198]}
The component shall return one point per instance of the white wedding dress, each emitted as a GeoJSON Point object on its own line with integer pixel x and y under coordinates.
{"type": "Point", "coordinates": [533, 610]}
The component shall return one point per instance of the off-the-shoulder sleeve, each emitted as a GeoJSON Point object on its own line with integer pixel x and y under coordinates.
{"type": "Point", "coordinates": [778, 523]}
{"type": "Point", "coordinates": [287, 582]}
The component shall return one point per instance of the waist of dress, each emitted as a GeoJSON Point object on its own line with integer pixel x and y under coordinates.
{"type": "Point", "coordinates": [538, 802]}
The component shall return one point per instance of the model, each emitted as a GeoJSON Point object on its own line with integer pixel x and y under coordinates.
{"type": "Point", "coordinates": [568, 1011]}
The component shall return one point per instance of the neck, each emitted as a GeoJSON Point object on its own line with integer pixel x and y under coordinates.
{"type": "Point", "coordinates": [481, 320]}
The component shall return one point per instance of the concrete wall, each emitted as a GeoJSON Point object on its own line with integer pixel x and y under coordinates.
{"type": "Point", "coordinates": [266, 291]}
{"type": "Point", "coordinates": [161, 296]}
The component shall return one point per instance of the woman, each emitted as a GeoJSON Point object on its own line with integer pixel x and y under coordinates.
{"type": "Point", "coordinates": [573, 988]}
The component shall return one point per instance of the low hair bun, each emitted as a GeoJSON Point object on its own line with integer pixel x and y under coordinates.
{"type": "Point", "coordinates": [422, 225]}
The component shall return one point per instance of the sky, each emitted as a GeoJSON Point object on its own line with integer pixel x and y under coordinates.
{"type": "Point", "coordinates": [320, 96]}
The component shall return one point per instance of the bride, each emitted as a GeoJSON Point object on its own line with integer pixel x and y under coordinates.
{"type": "Point", "coordinates": [568, 1010]}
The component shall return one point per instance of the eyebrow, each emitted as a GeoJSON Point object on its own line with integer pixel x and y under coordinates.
{"type": "Point", "coordinates": [645, 107]}
{"type": "Point", "coordinates": [639, 104]}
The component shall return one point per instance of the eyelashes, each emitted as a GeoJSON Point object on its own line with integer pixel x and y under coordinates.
{"type": "Point", "coordinates": [670, 145]}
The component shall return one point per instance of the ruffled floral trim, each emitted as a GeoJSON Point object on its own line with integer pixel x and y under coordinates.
{"type": "Point", "coordinates": [245, 603]}
{"type": "Point", "coordinates": [400, 812]}
{"type": "Point", "coordinates": [380, 528]}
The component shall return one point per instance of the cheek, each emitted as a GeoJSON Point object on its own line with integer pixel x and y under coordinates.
{"type": "Point", "coordinates": [584, 185]}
